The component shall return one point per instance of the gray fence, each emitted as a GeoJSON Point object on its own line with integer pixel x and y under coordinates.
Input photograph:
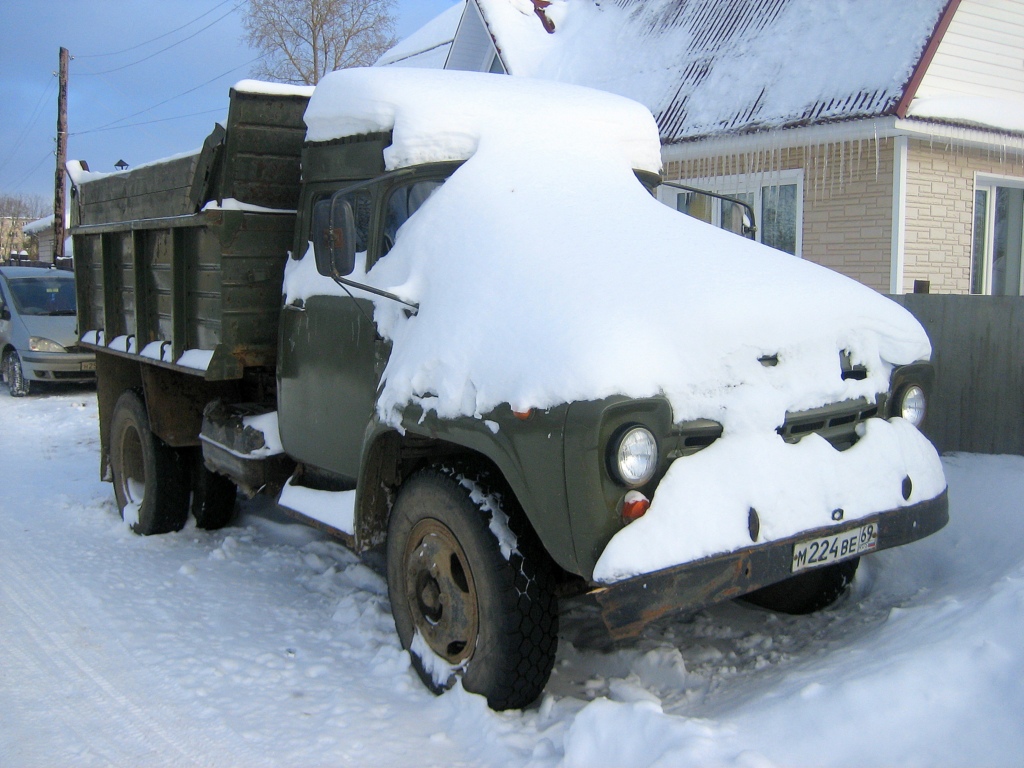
{"type": "Point", "coordinates": [978, 343]}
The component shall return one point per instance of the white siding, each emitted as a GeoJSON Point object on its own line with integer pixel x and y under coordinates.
{"type": "Point", "coordinates": [473, 50]}
{"type": "Point", "coordinates": [981, 54]}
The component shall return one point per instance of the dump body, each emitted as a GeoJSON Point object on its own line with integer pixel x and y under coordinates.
{"type": "Point", "coordinates": [180, 261]}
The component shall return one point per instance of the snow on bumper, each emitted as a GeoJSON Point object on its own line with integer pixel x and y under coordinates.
{"type": "Point", "coordinates": [703, 504]}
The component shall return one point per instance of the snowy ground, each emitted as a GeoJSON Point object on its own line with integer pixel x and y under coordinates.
{"type": "Point", "coordinates": [266, 644]}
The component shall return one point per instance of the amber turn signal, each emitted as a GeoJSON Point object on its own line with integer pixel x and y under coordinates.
{"type": "Point", "coordinates": [634, 506]}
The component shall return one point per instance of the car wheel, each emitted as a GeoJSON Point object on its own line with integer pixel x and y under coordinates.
{"type": "Point", "coordinates": [807, 592]}
{"type": "Point", "coordinates": [150, 478]}
{"type": "Point", "coordinates": [213, 495]}
{"type": "Point", "coordinates": [17, 384]}
{"type": "Point", "coordinates": [464, 607]}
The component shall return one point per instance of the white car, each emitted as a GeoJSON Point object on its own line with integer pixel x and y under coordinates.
{"type": "Point", "coordinates": [38, 337]}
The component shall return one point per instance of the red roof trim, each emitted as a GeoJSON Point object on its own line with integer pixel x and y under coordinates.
{"type": "Point", "coordinates": [910, 90]}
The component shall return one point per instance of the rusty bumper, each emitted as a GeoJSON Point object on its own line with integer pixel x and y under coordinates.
{"type": "Point", "coordinates": [626, 606]}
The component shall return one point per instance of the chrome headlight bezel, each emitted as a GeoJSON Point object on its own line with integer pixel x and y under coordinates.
{"type": "Point", "coordinates": [633, 456]}
{"type": "Point", "coordinates": [912, 404]}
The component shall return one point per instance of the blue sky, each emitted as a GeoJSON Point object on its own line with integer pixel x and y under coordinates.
{"type": "Point", "coordinates": [125, 101]}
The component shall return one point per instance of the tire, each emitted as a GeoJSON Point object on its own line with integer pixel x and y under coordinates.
{"type": "Point", "coordinates": [17, 384]}
{"type": "Point", "coordinates": [213, 495]}
{"type": "Point", "coordinates": [460, 607]}
{"type": "Point", "coordinates": [807, 592]}
{"type": "Point", "coordinates": [150, 478]}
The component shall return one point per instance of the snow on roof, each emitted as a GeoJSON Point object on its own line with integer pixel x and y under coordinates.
{"type": "Point", "coordinates": [477, 108]}
{"type": "Point", "coordinates": [428, 46]}
{"type": "Point", "coordinates": [273, 89]}
{"type": "Point", "coordinates": [39, 225]}
{"type": "Point", "coordinates": [712, 66]}
{"type": "Point", "coordinates": [978, 111]}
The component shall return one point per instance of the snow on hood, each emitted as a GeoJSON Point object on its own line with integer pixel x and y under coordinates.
{"type": "Point", "coordinates": [546, 273]}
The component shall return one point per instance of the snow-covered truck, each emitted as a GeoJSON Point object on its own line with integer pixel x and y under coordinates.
{"type": "Point", "coordinates": [442, 315]}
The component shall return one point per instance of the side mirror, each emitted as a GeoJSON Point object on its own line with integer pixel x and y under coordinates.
{"type": "Point", "coordinates": [5, 313]}
{"type": "Point", "coordinates": [334, 237]}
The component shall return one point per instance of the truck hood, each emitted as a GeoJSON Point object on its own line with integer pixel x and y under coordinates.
{"type": "Point", "coordinates": [540, 285]}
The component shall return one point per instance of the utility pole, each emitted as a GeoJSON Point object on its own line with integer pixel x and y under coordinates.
{"type": "Point", "coordinates": [62, 156]}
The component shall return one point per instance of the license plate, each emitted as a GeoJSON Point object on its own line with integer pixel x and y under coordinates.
{"type": "Point", "coordinates": [811, 553]}
{"type": "Point", "coordinates": [91, 366]}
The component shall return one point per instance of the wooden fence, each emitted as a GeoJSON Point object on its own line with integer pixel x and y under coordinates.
{"type": "Point", "coordinates": [978, 351]}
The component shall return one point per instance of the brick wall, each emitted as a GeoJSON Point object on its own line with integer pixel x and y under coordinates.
{"type": "Point", "coordinates": [940, 210]}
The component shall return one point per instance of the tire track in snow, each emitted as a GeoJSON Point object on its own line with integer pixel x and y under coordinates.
{"type": "Point", "coordinates": [141, 735]}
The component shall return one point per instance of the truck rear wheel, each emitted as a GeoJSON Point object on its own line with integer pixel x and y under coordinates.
{"type": "Point", "coordinates": [462, 608]}
{"type": "Point", "coordinates": [213, 495]}
{"type": "Point", "coordinates": [150, 478]}
{"type": "Point", "coordinates": [807, 592]}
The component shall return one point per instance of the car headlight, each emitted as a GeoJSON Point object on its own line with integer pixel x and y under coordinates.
{"type": "Point", "coordinates": [912, 404]}
{"type": "Point", "coordinates": [635, 457]}
{"type": "Point", "coordinates": [39, 344]}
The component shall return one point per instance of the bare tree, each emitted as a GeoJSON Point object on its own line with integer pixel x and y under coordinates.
{"type": "Point", "coordinates": [15, 212]}
{"type": "Point", "coordinates": [303, 40]}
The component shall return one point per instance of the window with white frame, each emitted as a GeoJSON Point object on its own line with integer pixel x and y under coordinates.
{"type": "Point", "coordinates": [777, 200]}
{"type": "Point", "coordinates": [998, 248]}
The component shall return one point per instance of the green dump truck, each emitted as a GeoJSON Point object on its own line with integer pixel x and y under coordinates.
{"type": "Point", "coordinates": [442, 315]}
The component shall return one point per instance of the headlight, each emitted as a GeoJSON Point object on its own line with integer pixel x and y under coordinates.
{"type": "Point", "coordinates": [912, 405]}
{"type": "Point", "coordinates": [635, 459]}
{"type": "Point", "coordinates": [39, 344]}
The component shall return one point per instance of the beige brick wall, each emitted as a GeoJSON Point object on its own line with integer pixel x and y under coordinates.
{"type": "Point", "coordinates": [940, 210]}
{"type": "Point", "coordinates": [847, 200]}
{"type": "Point", "coordinates": [848, 210]}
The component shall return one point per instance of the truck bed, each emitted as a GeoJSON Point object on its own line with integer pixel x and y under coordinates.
{"type": "Point", "coordinates": [180, 262]}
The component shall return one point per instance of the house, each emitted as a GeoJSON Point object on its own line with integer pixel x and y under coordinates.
{"type": "Point", "coordinates": [883, 139]}
{"type": "Point", "coordinates": [41, 231]}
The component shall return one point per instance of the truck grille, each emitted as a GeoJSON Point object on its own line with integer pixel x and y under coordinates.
{"type": "Point", "coordinates": [837, 423]}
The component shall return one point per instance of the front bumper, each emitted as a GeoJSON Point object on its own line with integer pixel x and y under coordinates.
{"type": "Point", "coordinates": [628, 605]}
{"type": "Point", "coordinates": [59, 366]}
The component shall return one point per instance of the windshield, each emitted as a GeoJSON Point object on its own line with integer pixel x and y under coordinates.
{"type": "Point", "coordinates": [44, 295]}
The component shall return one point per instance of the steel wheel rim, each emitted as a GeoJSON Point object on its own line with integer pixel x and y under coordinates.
{"type": "Point", "coordinates": [441, 591]}
{"type": "Point", "coordinates": [133, 468]}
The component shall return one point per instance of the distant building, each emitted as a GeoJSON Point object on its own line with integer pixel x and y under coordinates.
{"type": "Point", "coordinates": [883, 139]}
{"type": "Point", "coordinates": [12, 239]}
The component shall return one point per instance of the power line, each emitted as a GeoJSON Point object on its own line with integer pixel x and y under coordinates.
{"type": "Point", "coordinates": [35, 168]}
{"type": "Point", "coordinates": [113, 124]}
{"type": "Point", "coordinates": [33, 117]}
{"type": "Point", "coordinates": [158, 37]}
{"type": "Point", "coordinates": [148, 122]}
{"type": "Point", "coordinates": [157, 53]}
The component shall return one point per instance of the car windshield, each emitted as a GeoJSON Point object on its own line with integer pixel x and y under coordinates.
{"type": "Point", "coordinates": [44, 295]}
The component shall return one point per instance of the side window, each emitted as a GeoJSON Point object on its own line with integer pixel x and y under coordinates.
{"type": "Point", "coordinates": [402, 203]}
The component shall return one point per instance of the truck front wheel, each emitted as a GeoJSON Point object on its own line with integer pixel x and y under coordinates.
{"type": "Point", "coordinates": [470, 598]}
{"type": "Point", "coordinates": [213, 495]}
{"type": "Point", "coordinates": [150, 479]}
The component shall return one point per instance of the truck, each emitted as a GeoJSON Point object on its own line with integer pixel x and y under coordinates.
{"type": "Point", "coordinates": [443, 317]}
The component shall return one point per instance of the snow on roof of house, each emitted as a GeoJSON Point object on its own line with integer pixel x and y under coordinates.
{"type": "Point", "coordinates": [39, 225]}
{"type": "Point", "coordinates": [428, 46]}
{"type": "Point", "coordinates": [713, 66]}
{"type": "Point", "coordinates": [720, 66]}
